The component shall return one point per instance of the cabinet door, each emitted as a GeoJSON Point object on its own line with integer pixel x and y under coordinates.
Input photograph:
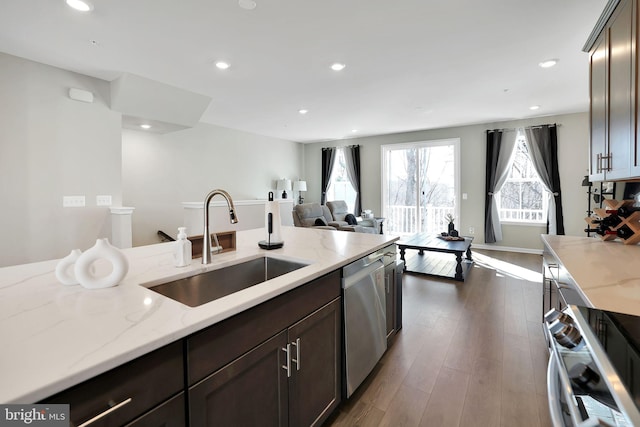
{"type": "Point", "coordinates": [249, 391]}
{"type": "Point", "coordinates": [315, 384]}
{"type": "Point", "coordinates": [598, 107]}
{"type": "Point", "coordinates": [390, 289]}
{"type": "Point", "coordinates": [621, 90]}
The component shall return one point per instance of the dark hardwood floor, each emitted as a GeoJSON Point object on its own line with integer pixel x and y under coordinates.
{"type": "Point", "coordinates": [469, 354]}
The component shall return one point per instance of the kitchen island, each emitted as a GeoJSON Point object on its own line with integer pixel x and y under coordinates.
{"type": "Point", "coordinates": [607, 274]}
{"type": "Point", "coordinates": [56, 336]}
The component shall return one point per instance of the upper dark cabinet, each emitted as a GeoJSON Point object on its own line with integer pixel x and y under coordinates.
{"type": "Point", "coordinates": [613, 91]}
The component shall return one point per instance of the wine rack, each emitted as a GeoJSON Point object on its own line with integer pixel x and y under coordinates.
{"type": "Point", "coordinates": [632, 221]}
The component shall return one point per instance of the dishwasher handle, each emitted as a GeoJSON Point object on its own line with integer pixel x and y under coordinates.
{"type": "Point", "coordinates": [372, 259]}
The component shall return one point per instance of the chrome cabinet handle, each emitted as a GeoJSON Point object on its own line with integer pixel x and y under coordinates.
{"type": "Point", "coordinates": [297, 359]}
{"type": "Point", "coordinates": [287, 367]}
{"type": "Point", "coordinates": [599, 163]}
{"type": "Point", "coordinates": [105, 413]}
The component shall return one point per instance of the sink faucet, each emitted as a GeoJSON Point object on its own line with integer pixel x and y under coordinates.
{"type": "Point", "coordinates": [206, 237]}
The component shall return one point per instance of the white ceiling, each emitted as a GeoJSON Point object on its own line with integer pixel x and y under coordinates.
{"type": "Point", "coordinates": [411, 64]}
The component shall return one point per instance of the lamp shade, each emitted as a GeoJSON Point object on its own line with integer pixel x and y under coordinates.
{"type": "Point", "coordinates": [300, 186]}
{"type": "Point", "coordinates": [284, 185]}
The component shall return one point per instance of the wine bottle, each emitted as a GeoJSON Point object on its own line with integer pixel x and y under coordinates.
{"type": "Point", "coordinates": [608, 221]}
{"type": "Point", "coordinates": [623, 211]}
{"type": "Point", "coordinates": [624, 232]}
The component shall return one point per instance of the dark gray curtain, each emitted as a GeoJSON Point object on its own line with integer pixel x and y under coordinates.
{"type": "Point", "coordinates": [352, 158]}
{"type": "Point", "coordinates": [542, 142]}
{"type": "Point", "coordinates": [328, 158]}
{"type": "Point", "coordinates": [500, 145]}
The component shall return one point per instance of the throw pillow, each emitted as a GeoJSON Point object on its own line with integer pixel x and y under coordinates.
{"type": "Point", "coordinates": [351, 219]}
{"type": "Point", "coordinates": [320, 221]}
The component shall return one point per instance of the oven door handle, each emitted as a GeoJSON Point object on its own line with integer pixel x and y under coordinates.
{"type": "Point", "coordinates": [553, 392]}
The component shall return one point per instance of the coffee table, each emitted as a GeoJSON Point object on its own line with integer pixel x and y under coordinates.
{"type": "Point", "coordinates": [432, 243]}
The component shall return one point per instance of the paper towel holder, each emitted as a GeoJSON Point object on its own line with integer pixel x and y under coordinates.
{"type": "Point", "coordinates": [268, 244]}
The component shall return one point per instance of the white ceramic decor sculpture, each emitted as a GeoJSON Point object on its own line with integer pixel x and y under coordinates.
{"type": "Point", "coordinates": [102, 250]}
{"type": "Point", "coordinates": [65, 268]}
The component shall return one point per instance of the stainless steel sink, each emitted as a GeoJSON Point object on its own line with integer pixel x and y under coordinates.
{"type": "Point", "coordinates": [203, 288]}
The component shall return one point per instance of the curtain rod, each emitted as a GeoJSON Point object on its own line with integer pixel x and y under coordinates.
{"type": "Point", "coordinates": [341, 146]}
{"type": "Point", "coordinates": [526, 127]}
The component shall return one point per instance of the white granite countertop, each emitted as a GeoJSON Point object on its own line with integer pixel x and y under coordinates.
{"type": "Point", "coordinates": [608, 273]}
{"type": "Point", "coordinates": [55, 336]}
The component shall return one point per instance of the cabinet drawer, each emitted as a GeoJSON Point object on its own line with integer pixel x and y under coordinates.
{"type": "Point", "coordinates": [211, 349]}
{"type": "Point", "coordinates": [169, 414]}
{"type": "Point", "coordinates": [137, 386]}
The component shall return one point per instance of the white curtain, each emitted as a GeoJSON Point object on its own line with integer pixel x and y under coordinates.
{"type": "Point", "coordinates": [499, 160]}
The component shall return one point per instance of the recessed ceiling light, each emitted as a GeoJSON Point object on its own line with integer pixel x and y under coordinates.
{"type": "Point", "coordinates": [303, 111]}
{"type": "Point", "coordinates": [145, 126]}
{"type": "Point", "coordinates": [534, 107]}
{"type": "Point", "coordinates": [81, 5]}
{"type": "Point", "coordinates": [354, 130]}
{"type": "Point", "coordinates": [222, 65]}
{"type": "Point", "coordinates": [548, 63]}
{"type": "Point", "coordinates": [337, 66]}
{"type": "Point", "coordinates": [247, 4]}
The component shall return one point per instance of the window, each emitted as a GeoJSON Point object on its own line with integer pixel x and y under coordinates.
{"type": "Point", "coordinates": [522, 198]}
{"type": "Point", "coordinates": [340, 187]}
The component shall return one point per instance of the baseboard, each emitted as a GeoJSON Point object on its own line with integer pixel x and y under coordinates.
{"type": "Point", "coordinates": [507, 249]}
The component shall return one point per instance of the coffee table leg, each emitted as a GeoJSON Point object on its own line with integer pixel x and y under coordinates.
{"type": "Point", "coordinates": [459, 276]}
{"type": "Point", "coordinates": [469, 253]}
{"type": "Point", "coordinates": [402, 258]}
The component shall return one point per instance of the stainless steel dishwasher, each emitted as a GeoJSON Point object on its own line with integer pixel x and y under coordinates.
{"type": "Point", "coordinates": [365, 325]}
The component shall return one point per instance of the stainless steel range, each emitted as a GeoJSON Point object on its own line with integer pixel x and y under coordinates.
{"type": "Point", "coordinates": [593, 378]}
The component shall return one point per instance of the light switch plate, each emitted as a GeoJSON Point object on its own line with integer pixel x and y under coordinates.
{"type": "Point", "coordinates": [103, 200]}
{"type": "Point", "coordinates": [73, 201]}
{"type": "Point", "coordinates": [464, 196]}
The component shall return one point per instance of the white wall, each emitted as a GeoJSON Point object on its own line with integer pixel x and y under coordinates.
{"type": "Point", "coordinates": [162, 171]}
{"type": "Point", "coordinates": [573, 151]}
{"type": "Point", "coordinates": [52, 146]}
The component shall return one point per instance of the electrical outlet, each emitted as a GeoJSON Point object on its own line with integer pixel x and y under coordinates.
{"type": "Point", "coordinates": [73, 201]}
{"type": "Point", "coordinates": [472, 230]}
{"type": "Point", "coordinates": [104, 200]}
{"type": "Point", "coordinates": [464, 196]}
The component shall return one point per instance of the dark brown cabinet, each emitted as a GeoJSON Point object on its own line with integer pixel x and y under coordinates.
{"type": "Point", "coordinates": [252, 390]}
{"type": "Point", "coordinates": [613, 93]}
{"type": "Point", "coordinates": [277, 364]}
{"type": "Point", "coordinates": [315, 356]}
{"type": "Point", "coordinates": [169, 414]}
{"type": "Point", "coordinates": [123, 394]}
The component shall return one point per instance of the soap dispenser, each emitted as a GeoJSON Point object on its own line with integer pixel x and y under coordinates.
{"type": "Point", "coordinates": [182, 249]}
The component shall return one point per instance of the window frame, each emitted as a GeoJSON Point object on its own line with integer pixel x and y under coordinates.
{"type": "Point", "coordinates": [521, 140]}
{"type": "Point", "coordinates": [332, 182]}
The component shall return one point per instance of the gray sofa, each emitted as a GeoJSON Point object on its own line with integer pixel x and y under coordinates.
{"type": "Point", "coordinates": [339, 210]}
{"type": "Point", "coordinates": [307, 214]}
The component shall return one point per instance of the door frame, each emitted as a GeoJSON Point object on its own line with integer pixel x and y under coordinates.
{"type": "Point", "coordinates": [421, 144]}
